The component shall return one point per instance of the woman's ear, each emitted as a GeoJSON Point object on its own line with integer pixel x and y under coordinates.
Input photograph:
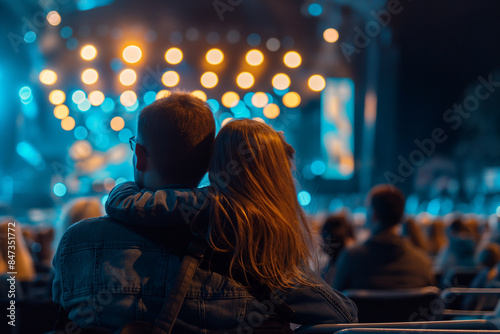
{"type": "Point", "coordinates": [140, 158]}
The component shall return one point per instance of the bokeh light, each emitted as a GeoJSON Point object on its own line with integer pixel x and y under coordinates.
{"type": "Point", "coordinates": [291, 99]}
{"type": "Point", "coordinates": [90, 76]}
{"type": "Point", "coordinates": [173, 56]}
{"type": "Point", "coordinates": [245, 80]}
{"type": "Point", "coordinates": [57, 97]}
{"type": "Point", "coordinates": [128, 98]}
{"type": "Point", "coordinates": [78, 96]}
{"type": "Point", "coordinates": [315, 9]}
{"type": "Point", "coordinates": [149, 97]}
{"type": "Point", "coordinates": [331, 35]}
{"type": "Point", "coordinates": [88, 52]}
{"type": "Point", "coordinates": [132, 54]}
{"type": "Point", "coordinates": [200, 94]}
{"type": "Point", "coordinates": [68, 123]}
{"type": "Point", "coordinates": [128, 77]}
{"type": "Point", "coordinates": [260, 99]}
{"type": "Point", "coordinates": [316, 83]}
{"type": "Point", "coordinates": [162, 93]}
{"type": "Point", "coordinates": [213, 104]}
{"type": "Point", "coordinates": [61, 111]}
{"type": "Point", "coordinates": [81, 132]}
{"type": "Point", "coordinates": [281, 81]}
{"type": "Point", "coordinates": [209, 80]}
{"type": "Point", "coordinates": [273, 44]}
{"type": "Point", "coordinates": [225, 121]}
{"type": "Point", "coordinates": [271, 111]}
{"type": "Point", "coordinates": [108, 105]}
{"type": "Point", "coordinates": [25, 93]}
{"type": "Point", "coordinates": [230, 99]}
{"type": "Point", "coordinates": [54, 18]}
{"type": "Point", "coordinates": [48, 77]}
{"type": "Point", "coordinates": [96, 98]}
{"type": "Point", "coordinates": [318, 167]}
{"type": "Point", "coordinates": [59, 189]}
{"type": "Point", "coordinates": [304, 198]}
{"type": "Point", "coordinates": [84, 105]}
{"type": "Point", "coordinates": [292, 59]}
{"type": "Point", "coordinates": [214, 56]}
{"type": "Point", "coordinates": [117, 123]}
{"type": "Point", "coordinates": [254, 57]}
{"type": "Point", "coordinates": [170, 78]}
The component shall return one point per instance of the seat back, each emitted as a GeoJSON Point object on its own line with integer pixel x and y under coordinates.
{"type": "Point", "coordinates": [396, 305]}
{"type": "Point", "coordinates": [458, 277]}
{"type": "Point", "coordinates": [457, 325]}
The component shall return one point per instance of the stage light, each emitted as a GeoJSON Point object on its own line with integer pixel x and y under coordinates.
{"type": "Point", "coordinates": [124, 135]}
{"type": "Point", "coordinates": [66, 32]}
{"type": "Point", "coordinates": [68, 123]}
{"type": "Point", "coordinates": [133, 107]}
{"type": "Point", "coordinates": [59, 189]}
{"type": "Point", "coordinates": [90, 76]}
{"type": "Point", "coordinates": [25, 93]}
{"type": "Point", "coordinates": [225, 121]}
{"type": "Point", "coordinates": [117, 123]}
{"type": "Point", "coordinates": [30, 37]}
{"type": "Point", "coordinates": [61, 111]}
{"type": "Point", "coordinates": [84, 105]}
{"type": "Point", "coordinates": [128, 98]}
{"type": "Point", "coordinates": [81, 133]}
{"type": "Point", "coordinates": [245, 80]}
{"type": "Point", "coordinates": [281, 81]}
{"type": "Point", "coordinates": [240, 110]}
{"type": "Point", "coordinates": [173, 56]}
{"type": "Point", "coordinates": [108, 105]}
{"type": "Point", "coordinates": [248, 99]}
{"type": "Point", "coordinates": [230, 99]}
{"type": "Point", "coordinates": [331, 35]}
{"type": "Point", "coordinates": [315, 9]}
{"type": "Point", "coordinates": [214, 56]}
{"type": "Point", "coordinates": [170, 78]}
{"type": "Point", "coordinates": [78, 96]}
{"type": "Point", "coordinates": [213, 104]}
{"type": "Point", "coordinates": [292, 59]}
{"type": "Point", "coordinates": [96, 98]}
{"type": "Point", "coordinates": [88, 52]}
{"type": "Point", "coordinates": [149, 97]}
{"type": "Point", "coordinates": [346, 164]}
{"type": "Point", "coordinates": [304, 198]}
{"type": "Point", "coordinates": [48, 77]}
{"type": "Point", "coordinates": [128, 77]}
{"type": "Point", "coordinates": [254, 57]}
{"type": "Point", "coordinates": [316, 83]}
{"type": "Point", "coordinates": [273, 44]}
{"type": "Point", "coordinates": [271, 111]}
{"type": "Point", "coordinates": [200, 94]}
{"type": "Point", "coordinates": [132, 54]}
{"type": "Point", "coordinates": [258, 119]}
{"type": "Point", "coordinates": [162, 93]}
{"type": "Point", "coordinates": [54, 18]}
{"type": "Point", "coordinates": [318, 167]}
{"type": "Point", "coordinates": [259, 100]}
{"type": "Point", "coordinates": [57, 97]}
{"type": "Point", "coordinates": [291, 99]}
{"type": "Point", "coordinates": [29, 153]}
{"type": "Point", "coordinates": [209, 80]}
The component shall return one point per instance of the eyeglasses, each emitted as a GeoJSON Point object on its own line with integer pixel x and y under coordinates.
{"type": "Point", "coordinates": [132, 141]}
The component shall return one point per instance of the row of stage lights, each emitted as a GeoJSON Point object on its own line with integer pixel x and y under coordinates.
{"type": "Point", "coordinates": [245, 80]}
{"type": "Point", "coordinates": [132, 55]}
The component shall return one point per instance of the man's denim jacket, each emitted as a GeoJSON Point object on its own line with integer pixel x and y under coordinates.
{"type": "Point", "coordinates": [108, 274]}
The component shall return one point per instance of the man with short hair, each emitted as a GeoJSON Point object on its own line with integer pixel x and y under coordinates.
{"type": "Point", "coordinates": [107, 274]}
{"type": "Point", "coordinates": [386, 260]}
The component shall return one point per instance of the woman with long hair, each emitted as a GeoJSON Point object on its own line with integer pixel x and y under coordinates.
{"type": "Point", "coordinates": [256, 229]}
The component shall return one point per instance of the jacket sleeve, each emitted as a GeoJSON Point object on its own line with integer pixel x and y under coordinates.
{"type": "Point", "coordinates": [319, 304]}
{"type": "Point", "coordinates": [57, 288]}
{"type": "Point", "coordinates": [133, 206]}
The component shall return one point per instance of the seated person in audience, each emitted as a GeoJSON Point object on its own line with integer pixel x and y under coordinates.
{"type": "Point", "coordinates": [80, 209]}
{"type": "Point", "coordinates": [437, 238]}
{"type": "Point", "coordinates": [336, 234]}
{"type": "Point", "coordinates": [461, 248]}
{"type": "Point", "coordinates": [413, 232]}
{"type": "Point", "coordinates": [24, 266]}
{"type": "Point", "coordinates": [488, 277]}
{"type": "Point", "coordinates": [386, 260]}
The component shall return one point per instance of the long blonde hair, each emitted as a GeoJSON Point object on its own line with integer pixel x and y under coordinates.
{"type": "Point", "coordinates": [255, 211]}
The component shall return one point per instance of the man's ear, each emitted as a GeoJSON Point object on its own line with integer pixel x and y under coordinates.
{"type": "Point", "coordinates": [140, 158]}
